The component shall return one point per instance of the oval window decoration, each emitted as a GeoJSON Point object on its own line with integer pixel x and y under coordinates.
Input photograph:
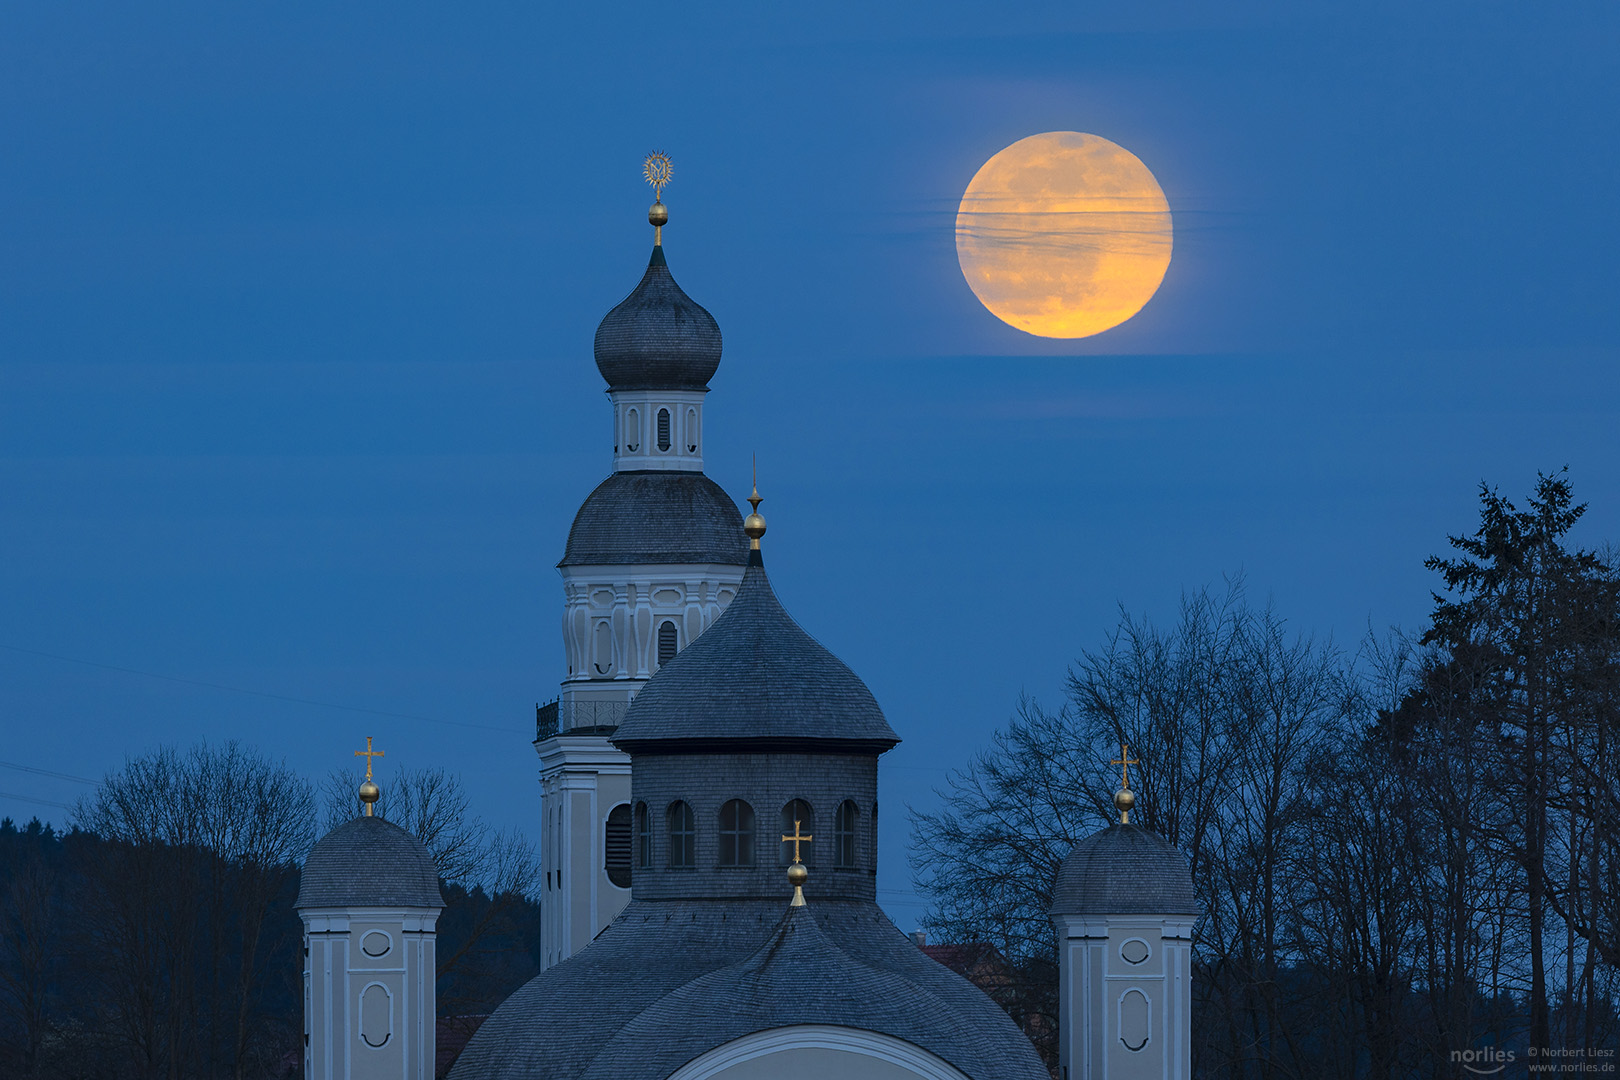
{"type": "Point", "coordinates": [1134, 951]}
{"type": "Point", "coordinates": [376, 943]}
{"type": "Point", "coordinates": [1135, 1016]}
{"type": "Point", "coordinates": [376, 1015]}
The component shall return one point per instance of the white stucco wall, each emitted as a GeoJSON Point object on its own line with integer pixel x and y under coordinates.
{"type": "Point", "coordinates": [1125, 997]}
{"type": "Point", "coordinates": [817, 1052]}
{"type": "Point", "coordinates": [369, 1004]}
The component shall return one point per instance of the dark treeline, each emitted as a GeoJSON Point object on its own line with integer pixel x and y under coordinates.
{"type": "Point", "coordinates": [1401, 853]}
{"type": "Point", "coordinates": [157, 938]}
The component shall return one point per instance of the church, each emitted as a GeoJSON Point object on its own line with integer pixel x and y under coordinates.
{"type": "Point", "coordinates": [709, 779]}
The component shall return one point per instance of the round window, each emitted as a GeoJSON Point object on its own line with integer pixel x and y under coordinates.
{"type": "Point", "coordinates": [375, 943]}
{"type": "Point", "coordinates": [1134, 951]}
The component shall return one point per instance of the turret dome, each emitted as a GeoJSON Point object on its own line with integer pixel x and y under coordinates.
{"type": "Point", "coordinates": [369, 862]}
{"type": "Point", "coordinates": [1124, 870]}
{"type": "Point", "coordinates": [658, 338]}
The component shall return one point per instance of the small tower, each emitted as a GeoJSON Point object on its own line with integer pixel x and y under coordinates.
{"type": "Point", "coordinates": [654, 555]}
{"type": "Point", "coordinates": [369, 898]}
{"type": "Point", "coordinates": [1124, 910]}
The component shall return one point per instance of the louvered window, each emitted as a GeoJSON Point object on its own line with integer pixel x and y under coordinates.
{"type": "Point", "coordinates": [666, 643]}
{"type": "Point", "coordinates": [617, 846]}
{"type": "Point", "coordinates": [798, 811]}
{"type": "Point", "coordinates": [632, 430]}
{"type": "Point", "coordinates": [682, 837]}
{"type": "Point", "coordinates": [663, 429]}
{"type": "Point", "coordinates": [736, 834]}
{"type": "Point", "coordinates": [844, 835]}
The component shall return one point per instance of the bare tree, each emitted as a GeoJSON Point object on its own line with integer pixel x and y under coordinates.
{"type": "Point", "coordinates": [198, 846]}
{"type": "Point", "coordinates": [1225, 709]}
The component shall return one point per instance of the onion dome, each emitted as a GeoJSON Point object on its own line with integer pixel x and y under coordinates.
{"type": "Point", "coordinates": [658, 338]}
{"type": "Point", "coordinates": [635, 518]}
{"type": "Point", "coordinates": [755, 676]}
{"type": "Point", "coordinates": [369, 862]}
{"type": "Point", "coordinates": [1124, 870]}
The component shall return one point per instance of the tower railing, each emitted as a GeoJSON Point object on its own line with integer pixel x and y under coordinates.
{"type": "Point", "coordinates": [560, 717]}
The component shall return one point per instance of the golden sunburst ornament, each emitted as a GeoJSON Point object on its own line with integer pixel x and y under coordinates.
{"type": "Point", "coordinates": [656, 170]}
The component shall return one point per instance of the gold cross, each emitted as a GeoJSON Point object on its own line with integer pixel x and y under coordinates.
{"type": "Point", "coordinates": [368, 753]}
{"type": "Point", "coordinates": [796, 838]}
{"type": "Point", "coordinates": [1125, 761]}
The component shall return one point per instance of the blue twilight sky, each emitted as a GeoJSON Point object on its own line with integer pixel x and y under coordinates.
{"type": "Point", "coordinates": [296, 308]}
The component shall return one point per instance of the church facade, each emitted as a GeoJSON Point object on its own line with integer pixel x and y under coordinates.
{"type": "Point", "coordinates": [709, 847]}
{"type": "Point", "coordinates": [748, 752]}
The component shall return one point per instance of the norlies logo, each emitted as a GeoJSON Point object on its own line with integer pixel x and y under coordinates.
{"type": "Point", "coordinates": [1486, 1062]}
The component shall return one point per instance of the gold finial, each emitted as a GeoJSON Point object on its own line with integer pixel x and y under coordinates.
{"type": "Point", "coordinates": [1124, 798]}
{"type": "Point", "coordinates": [797, 874]}
{"type": "Point", "coordinates": [656, 170]}
{"type": "Point", "coordinates": [369, 791]}
{"type": "Point", "coordinates": [754, 524]}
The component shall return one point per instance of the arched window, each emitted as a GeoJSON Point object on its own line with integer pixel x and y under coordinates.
{"type": "Point", "coordinates": [798, 811]}
{"type": "Point", "coordinates": [616, 846]}
{"type": "Point", "coordinates": [663, 429]}
{"type": "Point", "coordinates": [691, 431]}
{"type": "Point", "coordinates": [736, 834]}
{"type": "Point", "coordinates": [682, 837]}
{"type": "Point", "coordinates": [844, 835]}
{"type": "Point", "coordinates": [666, 642]}
{"type": "Point", "coordinates": [643, 837]}
{"type": "Point", "coordinates": [632, 430]}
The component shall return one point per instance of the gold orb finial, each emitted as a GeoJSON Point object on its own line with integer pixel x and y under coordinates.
{"type": "Point", "coordinates": [1125, 798]}
{"type": "Point", "coordinates": [754, 523]}
{"type": "Point", "coordinates": [797, 874]}
{"type": "Point", "coordinates": [656, 170]}
{"type": "Point", "coordinates": [369, 791]}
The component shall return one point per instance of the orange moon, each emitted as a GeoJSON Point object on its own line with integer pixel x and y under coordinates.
{"type": "Point", "coordinates": [1063, 235]}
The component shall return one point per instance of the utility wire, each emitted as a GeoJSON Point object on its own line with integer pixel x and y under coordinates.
{"type": "Point", "coordinates": [47, 772]}
{"type": "Point", "coordinates": [30, 798]}
{"type": "Point", "coordinates": [256, 693]}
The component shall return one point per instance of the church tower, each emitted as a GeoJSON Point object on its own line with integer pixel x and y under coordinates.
{"type": "Point", "coordinates": [369, 898]}
{"type": "Point", "coordinates": [755, 755]}
{"type": "Point", "coordinates": [654, 556]}
{"type": "Point", "coordinates": [1124, 909]}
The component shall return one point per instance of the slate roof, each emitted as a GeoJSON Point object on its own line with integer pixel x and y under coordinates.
{"type": "Point", "coordinates": [1124, 870]}
{"type": "Point", "coordinates": [755, 676]}
{"type": "Point", "coordinates": [369, 862]}
{"type": "Point", "coordinates": [668, 981]}
{"type": "Point", "coordinates": [635, 518]}
{"type": "Point", "coordinates": [658, 338]}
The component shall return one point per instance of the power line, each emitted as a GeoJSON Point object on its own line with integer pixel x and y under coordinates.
{"type": "Point", "coordinates": [47, 772]}
{"type": "Point", "coordinates": [30, 798]}
{"type": "Point", "coordinates": [256, 693]}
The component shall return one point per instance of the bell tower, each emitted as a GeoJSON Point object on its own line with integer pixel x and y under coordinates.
{"type": "Point", "coordinates": [1124, 909]}
{"type": "Point", "coordinates": [369, 899]}
{"type": "Point", "coordinates": [654, 556]}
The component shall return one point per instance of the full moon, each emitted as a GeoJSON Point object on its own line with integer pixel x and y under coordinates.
{"type": "Point", "coordinates": [1063, 235]}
